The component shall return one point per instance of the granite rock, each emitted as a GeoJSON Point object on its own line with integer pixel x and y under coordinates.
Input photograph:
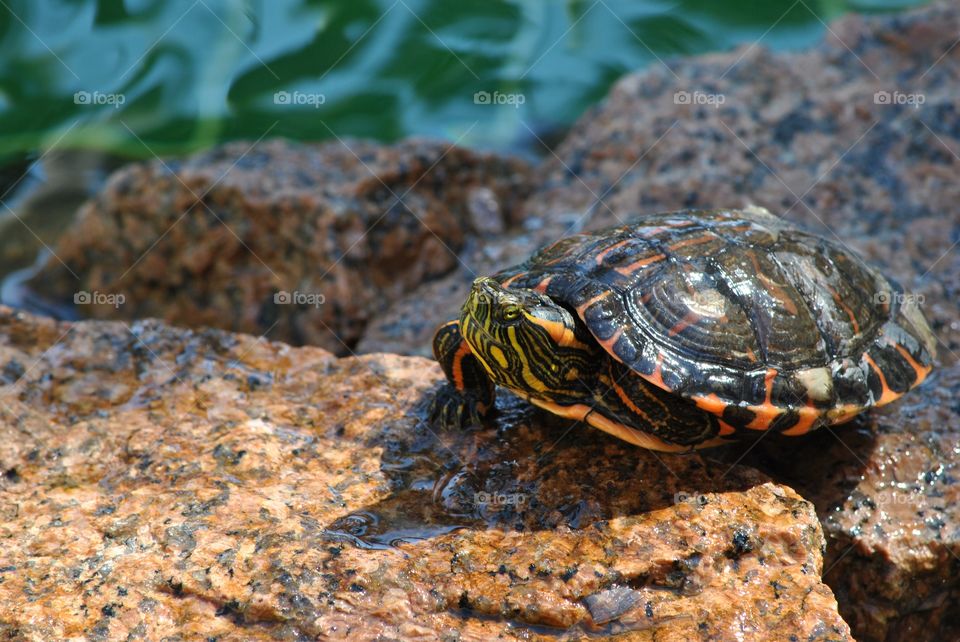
{"type": "Point", "coordinates": [163, 483]}
{"type": "Point", "coordinates": [303, 243]}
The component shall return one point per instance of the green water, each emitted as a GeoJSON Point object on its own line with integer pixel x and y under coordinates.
{"type": "Point", "coordinates": [164, 77]}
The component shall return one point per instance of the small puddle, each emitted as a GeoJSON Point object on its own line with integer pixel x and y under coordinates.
{"type": "Point", "coordinates": [427, 508]}
{"type": "Point", "coordinates": [442, 481]}
{"type": "Point", "coordinates": [413, 519]}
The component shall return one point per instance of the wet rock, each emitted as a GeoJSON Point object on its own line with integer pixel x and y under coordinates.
{"type": "Point", "coordinates": [304, 243]}
{"type": "Point", "coordinates": [164, 483]}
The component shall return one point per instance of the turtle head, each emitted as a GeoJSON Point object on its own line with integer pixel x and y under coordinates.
{"type": "Point", "coordinates": [526, 341]}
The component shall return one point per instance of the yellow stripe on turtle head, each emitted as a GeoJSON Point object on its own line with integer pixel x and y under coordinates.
{"type": "Point", "coordinates": [497, 354]}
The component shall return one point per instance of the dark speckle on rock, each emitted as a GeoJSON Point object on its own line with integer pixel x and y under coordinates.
{"type": "Point", "coordinates": [741, 544]}
{"type": "Point", "coordinates": [12, 372]}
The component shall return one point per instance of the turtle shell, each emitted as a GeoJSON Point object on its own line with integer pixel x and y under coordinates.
{"type": "Point", "coordinates": [762, 324]}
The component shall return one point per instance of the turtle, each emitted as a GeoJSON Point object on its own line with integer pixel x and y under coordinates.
{"type": "Point", "coordinates": [684, 330]}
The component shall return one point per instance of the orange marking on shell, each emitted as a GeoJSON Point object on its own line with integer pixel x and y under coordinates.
{"type": "Point", "coordinates": [765, 412]}
{"type": "Point", "coordinates": [922, 371]}
{"type": "Point", "coordinates": [603, 254]}
{"type": "Point", "coordinates": [688, 320]}
{"type": "Point", "coordinates": [542, 286]}
{"type": "Point", "coordinates": [636, 265]}
{"type": "Point", "coordinates": [581, 310]}
{"type": "Point", "coordinates": [773, 289]}
{"type": "Point", "coordinates": [846, 308]}
{"type": "Point", "coordinates": [751, 355]}
{"type": "Point", "coordinates": [712, 403]}
{"type": "Point", "coordinates": [607, 344]}
{"type": "Point", "coordinates": [808, 417]}
{"type": "Point", "coordinates": [695, 240]}
{"type": "Point", "coordinates": [513, 278]}
{"type": "Point", "coordinates": [779, 294]}
{"type": "Point", "coordinates": [887, 395]}
{"type": "Point", "coordinates": [656, 377]}
{"type": "Point", "coordinates": [768, 382]}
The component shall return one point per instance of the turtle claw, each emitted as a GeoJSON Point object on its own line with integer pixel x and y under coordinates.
{"type": "Point", "coordinates": [451, 408]}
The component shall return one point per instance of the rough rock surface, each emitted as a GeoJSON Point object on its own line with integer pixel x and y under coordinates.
{"type": "Point", "coordinates": [161, 483]}
{"type": "Point", "coordinates": [342, 228]}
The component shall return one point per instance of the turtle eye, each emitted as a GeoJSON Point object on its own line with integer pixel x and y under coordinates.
{"type": "Point", "coordinates": [511, 313]}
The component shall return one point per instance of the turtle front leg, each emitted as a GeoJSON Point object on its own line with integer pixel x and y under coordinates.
{"type": "Point", "coordinates": [469, 393]}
